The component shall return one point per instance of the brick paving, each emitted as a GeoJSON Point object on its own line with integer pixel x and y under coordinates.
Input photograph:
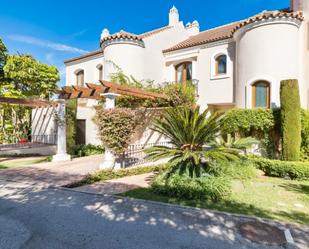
{"type": "Point", "coordinates": [54, 173]}
{"type": "Point", "coordinates": [117, 186]}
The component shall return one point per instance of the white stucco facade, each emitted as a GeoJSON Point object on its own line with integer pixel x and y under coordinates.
{"type": "Point", "coordinates": [269, 47]}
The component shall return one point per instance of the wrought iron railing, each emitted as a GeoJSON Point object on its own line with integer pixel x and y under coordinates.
{"type": "Point", "coordinates": [135, 154]}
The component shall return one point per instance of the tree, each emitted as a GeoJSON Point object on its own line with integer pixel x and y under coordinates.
{"type": "Point", "coordinates": [27, 77]}
{"type": "Point", "coordinates": [290, 120]}
{"type": "Point", "coordinates": [193, 138]}
{"type": "Point", "coordinates": [3, 54]}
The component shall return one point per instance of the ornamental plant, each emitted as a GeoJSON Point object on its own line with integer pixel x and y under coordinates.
{"type": "Point", "coordinates": [192, 135]}
{"type": "Point", "coordinates": [290, 120]}
{"type": "Point", "coordinates": [116, 126]}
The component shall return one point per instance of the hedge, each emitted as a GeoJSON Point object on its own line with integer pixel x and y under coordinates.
{"type": "Point", "coordinates": [276, 168]}
{"type": "Point", "coordinates": [210, 187]}
{"type": "Point", "coordinates": [290, 120]}
{"type": "Point", "coordinates": [246, 121]}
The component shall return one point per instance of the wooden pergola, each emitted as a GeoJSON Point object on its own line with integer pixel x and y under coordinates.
{"type": "Point", "coordinates": [95, 91]}
{"type": "Point", "coordinates": [34, 103]}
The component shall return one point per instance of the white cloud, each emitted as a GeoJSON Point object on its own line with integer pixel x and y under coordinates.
{"type": "Point", "coordinates": [49, 58]}
{"type": "Point", "coordinates": [47, 44]}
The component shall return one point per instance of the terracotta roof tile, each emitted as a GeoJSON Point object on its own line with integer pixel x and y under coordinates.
{"type": "Point", "coordinates": [122, 35]}
{"type": "Point", "coordinates": [211, 35]}
{"type": "Point", "coordinates": [270, 14]}
{"type": "Point", "coordinates": [227, 31]}
{"type": "Point", "coordinates": [99, 51]}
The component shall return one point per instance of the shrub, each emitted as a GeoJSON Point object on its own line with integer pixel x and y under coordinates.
{"type": "Point", "coordinates": [116, 127]}
{"type": "Point", "coordinates": [290, 120]}
{"type": "Point", "coordinates": [206, 187]}
{"type": "Point", "coordinates": [276, 168]}
{"type": "Point", "coordinates": [263, 124]}
{"type": "Point", "coordinates": [242, 169]}
{"type": "Point", "coordinates": [247, 122]}
{"type": "Point", "coordinates": [87, 150]}
{"type": "Point", "coordinates": [304, 135]}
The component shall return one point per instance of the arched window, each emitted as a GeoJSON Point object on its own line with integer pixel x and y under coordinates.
{"type": "Point", "coordinates": [100, 71]}
{"type": "Point", "coordinates": [220, 62]}
{"type": "Point", "coordinates": [184, 72]}
{"type": "Point", "coordinates": [261, 94]}
{"type": "Point", "coordinates": [79, 77]}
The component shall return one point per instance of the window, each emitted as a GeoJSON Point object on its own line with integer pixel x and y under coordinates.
{"type": "Point", "coordinates": [184, 72]}
{"type": "Point", "coordinates": [261, 94]}
{"type": "Point", "coordinates": [80, 78]}
{"type": "Point", "coordinates": [220, 62]}
{"type": "Point", "coordinates": [100, 71]}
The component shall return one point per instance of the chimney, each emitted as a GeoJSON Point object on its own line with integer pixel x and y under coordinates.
{"type": "Point", "coordinates": [173, 16]}
{"type": "Point", "coordinates": [193, 28]}
{"type": "Point", "coordinates": [105, 33]}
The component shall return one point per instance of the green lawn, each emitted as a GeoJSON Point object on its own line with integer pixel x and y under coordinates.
{"type": "Point", "coordinates": [265, 197]}
{"type": "Point", "coordinates": [7, 163]}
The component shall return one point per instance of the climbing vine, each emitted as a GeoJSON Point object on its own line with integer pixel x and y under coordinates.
{"type": "Point", "coordinates": [116, 126]}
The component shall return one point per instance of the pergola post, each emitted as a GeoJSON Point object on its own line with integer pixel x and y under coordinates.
{"type": "Point", "coordinates": [109, 160]}
{"type": "Point", "coordinates": [61, 133]}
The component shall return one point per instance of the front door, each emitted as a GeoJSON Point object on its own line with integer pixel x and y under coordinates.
{"type": "Point", "coordinates": [81, 131]}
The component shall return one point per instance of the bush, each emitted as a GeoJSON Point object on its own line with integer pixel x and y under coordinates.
{"type": "Point", "coordinates": [290, 120]}
{"type": "Point", "coordinates": [276, 168]}
{"type": "Point", "coordinates": [116, 126]}
{"type": "Point", "coordinates": [248, 122]}
{"type": "Point", "coordinates": [87, 150]}
{"type": "Point", "coordinates": [242, 169]}
{"type": "Point", "coordinates": [263, 124]}
{"type": "Point", "coordinates": [304, 135]}
{"type": "Point", "coordinates": [206, 187]}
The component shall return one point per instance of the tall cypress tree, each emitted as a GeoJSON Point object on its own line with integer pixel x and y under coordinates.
{"type": "Point", "coordinates": [3, 54]}
{"type": "Point", "coordinates": [290, 120]}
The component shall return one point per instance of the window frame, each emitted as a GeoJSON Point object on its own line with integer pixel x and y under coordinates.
{"type": "Point", "coordinates": [214, 66]}
{"type": "Point", "coordinates": [268, 86]}
{"type": "Point", "coordinates": [100, 71]}
{"type": "Point", "coordinates": [78, 74]}
{"type": "Point", "coordinates": [184, 72]}
{"type": "Point", "coordinates": [217, 63]}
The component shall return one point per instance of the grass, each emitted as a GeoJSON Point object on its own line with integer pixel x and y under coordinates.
{"type": "Point", "coordinates": [11, 163]}
{"type": "Point", "coordinates": [265, 197]}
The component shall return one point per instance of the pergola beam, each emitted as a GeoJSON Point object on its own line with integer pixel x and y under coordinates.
{"type": "Point", "coordinates": [94, 91]}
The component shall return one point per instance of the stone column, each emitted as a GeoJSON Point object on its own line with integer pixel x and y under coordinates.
{"type": "Point", "coordinates": [109, 160]}
{"type": "Point", "coordinates": [61, 134]}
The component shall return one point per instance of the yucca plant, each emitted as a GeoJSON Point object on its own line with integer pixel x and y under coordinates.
{"type": "Point", "coordinates": [192, 135]}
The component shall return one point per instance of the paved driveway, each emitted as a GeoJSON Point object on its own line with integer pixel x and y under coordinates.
{"type": "Point", "coordinates": [54, 173]}
{"type": "Point", "coordinates": [36, 217]}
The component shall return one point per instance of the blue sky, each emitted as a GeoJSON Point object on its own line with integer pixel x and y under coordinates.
{"type": "Point", "coordinates": [55, 30]}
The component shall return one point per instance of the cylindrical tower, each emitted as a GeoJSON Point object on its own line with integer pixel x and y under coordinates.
{"type": "Point", "coordinates": [126, 51]}
{"type": "Point", "coordinates": [267, 48]}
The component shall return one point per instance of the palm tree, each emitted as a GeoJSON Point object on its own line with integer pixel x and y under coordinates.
{"type": "Point", "coordinates": [192, 137]}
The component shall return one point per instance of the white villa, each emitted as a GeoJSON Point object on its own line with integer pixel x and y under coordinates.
{"type": "Point", "coordinates": [239, 64]}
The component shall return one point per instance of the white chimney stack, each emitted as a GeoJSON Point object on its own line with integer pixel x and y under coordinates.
{"type": "Point", "coordinates": [193, 28]}
{"type": "Point", "coordinates": [105, 33]}
{"type": "Point", "coordinates": [173, 16]}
